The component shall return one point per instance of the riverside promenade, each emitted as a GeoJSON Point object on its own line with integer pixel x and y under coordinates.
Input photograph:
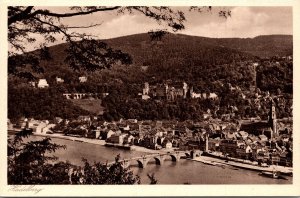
{"type": "Point", "coordinates": [96, 141]}
{"type": "Point", "coordinates": [244, 165]}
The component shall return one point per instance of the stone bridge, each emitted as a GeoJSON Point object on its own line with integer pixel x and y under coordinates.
{"type": "Point", "coordinates": [82, 95]}
{"type": "Point", "coordinates": [158, 157]}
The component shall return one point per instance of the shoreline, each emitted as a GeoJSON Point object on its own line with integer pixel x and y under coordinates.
{"type": "Point", "coordinates": [211, 160]}
{"type": "Point", "coordinates": [214, 161]}
{"type": "Point", "coordinates": [99, 142]}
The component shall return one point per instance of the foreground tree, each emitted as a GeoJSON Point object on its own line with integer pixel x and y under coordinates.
{"type": "Point", "coordinates": [100, 173]}
{"type": "Point", "coordinates": [31, 162]}
{"type": "Point", "coordinates": [28, 162]}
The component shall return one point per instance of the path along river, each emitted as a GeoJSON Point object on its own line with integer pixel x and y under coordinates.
{"type": "Point", "coordinates": [184, 171]}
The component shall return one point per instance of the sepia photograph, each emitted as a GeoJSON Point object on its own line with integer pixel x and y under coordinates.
{"type": "Point", "coordinates": [175, 95]}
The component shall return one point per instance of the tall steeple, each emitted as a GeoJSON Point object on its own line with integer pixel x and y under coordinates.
{"type": "Point", "coordinates": [272, 118]}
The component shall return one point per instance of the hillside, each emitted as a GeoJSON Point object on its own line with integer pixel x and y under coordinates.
{"type": "Point", "coordinates": [204, 63]}
{"type": "Point", "coordinates": [199, 61]}
{"type": "Point", "coordinates": [261, 46]}
{"type": "Point", "coordinates": [90, 105]}
{"type": "Point", "coordinates": [175, 52]}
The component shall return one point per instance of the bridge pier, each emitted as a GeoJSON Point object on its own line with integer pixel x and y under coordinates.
{"type": "Point", "coordinates": [159, 160]}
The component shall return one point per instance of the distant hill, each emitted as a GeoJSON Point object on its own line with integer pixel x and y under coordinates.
{"type": "Point", "coordinates": [176, 56]}
{"type": "Point", "coordinates": [182, 48]}
{"type": "Point", "coordinates": [261, 46]}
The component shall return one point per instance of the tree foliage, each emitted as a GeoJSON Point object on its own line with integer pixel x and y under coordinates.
{"type": "Point", "coordinates": [100, 173]}
{"type": "Point", "coordinates": [32, 162]}
{"type": "Point", "coordinates": [40, 104]}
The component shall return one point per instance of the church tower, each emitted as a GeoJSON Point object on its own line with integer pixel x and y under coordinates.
{"type": "Point", "coordinates": [272, 118]}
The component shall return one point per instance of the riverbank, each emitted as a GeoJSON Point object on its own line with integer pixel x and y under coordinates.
{"type": "Point", "coordinates": [170, 172]}
{"type": "Point", "coordinates": [213, 159]}
{"type": "Point", "coordinates": [72, 138]}
{"type": "Point", "coordinates": [228, 162]}
{"type": "Point", "coordinates": [100, 142]}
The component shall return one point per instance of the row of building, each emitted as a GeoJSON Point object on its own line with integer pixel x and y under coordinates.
{"type": "Point", "coordinates": [248, 139]}
{"type": "Point", "coordinates": [43, 83]}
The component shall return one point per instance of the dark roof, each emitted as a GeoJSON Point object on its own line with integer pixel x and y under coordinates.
{"type": "Point", "coordinates": [255, 126]}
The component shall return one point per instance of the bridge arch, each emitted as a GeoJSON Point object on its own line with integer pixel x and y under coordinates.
{"type": "Point", "coordinates": [158, 160]}
{"type": "Point", "coordinates": [187, 154]}
{"type": "Point", "coordinates": [141, 163]}
{"type": "Point", "coordinates": [175, 158]}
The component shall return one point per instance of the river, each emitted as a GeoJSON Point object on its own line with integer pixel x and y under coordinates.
{"type": "Point", "coordinates": [183, 171]}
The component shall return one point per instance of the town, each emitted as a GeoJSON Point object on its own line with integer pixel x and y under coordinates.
{"type": "Point", "coordinates": [265, 142]}
{"type": "Point", "coordinates": [151, 95]}
{"type": "Point", "coordinates": [245, 125]}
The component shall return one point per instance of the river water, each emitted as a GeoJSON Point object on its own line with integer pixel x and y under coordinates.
{"type": "Point", "coordinates": [183, 171]}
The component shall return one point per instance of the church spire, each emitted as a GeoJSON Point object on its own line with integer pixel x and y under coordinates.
{"type": "Point", "coordinates": [272, 118]}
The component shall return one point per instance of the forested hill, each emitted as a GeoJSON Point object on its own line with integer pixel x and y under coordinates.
{"type": "Point", "coordinates": [178, 49]}
{"type": "Point", "coordinates": [261, 46]}
{"type": "Point", "coordinates": [172, 49]}
{"type": "Point", "coordinates": [177, 57]}
{"type": "Point", "coordinates": [204, 63]}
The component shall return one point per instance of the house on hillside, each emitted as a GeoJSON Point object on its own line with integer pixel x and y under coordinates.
{"type": "Point", "coordinates": [39, 128]}
{"type": "Point", "coordinates": [59, 80]}
{"type": "Point", "coordinates": [42, 83]}
{"type": "Point", "coordinates": [32, 84]}
{"type": "Point", "coordinates": [48, 128]}
{"type": "Point", "coordinates": [82, 79]}
{"type": "Point", "coordinates": [213, 96]}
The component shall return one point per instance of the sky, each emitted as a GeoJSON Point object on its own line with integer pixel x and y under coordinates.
{"type": "Point", "coordinates": [244, 22]}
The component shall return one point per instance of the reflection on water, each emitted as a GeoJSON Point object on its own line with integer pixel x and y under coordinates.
{"type": "Point", "coordinates": [184, 171]}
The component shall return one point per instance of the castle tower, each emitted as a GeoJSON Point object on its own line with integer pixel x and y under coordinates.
{"type": "Point", "coordinates": [272, 118]}
{"type": "Point", "coordinates": [166, 88]}
{"type": "Point", "coordinates": [172, 93]}
{"type": "Point", "coordinates": [191, 92]}
{"type": "Point", "coordinates": [146, 89]}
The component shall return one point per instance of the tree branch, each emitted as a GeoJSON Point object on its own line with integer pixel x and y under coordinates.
{"type": "Point", "coordinates": [47, 13]}
{"type": "Point", "coordinates": [26, 13]}
{"type": "Point", "coordinates": [89, 26]}
{"type": "Point", "coordinates": [20, 16]}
